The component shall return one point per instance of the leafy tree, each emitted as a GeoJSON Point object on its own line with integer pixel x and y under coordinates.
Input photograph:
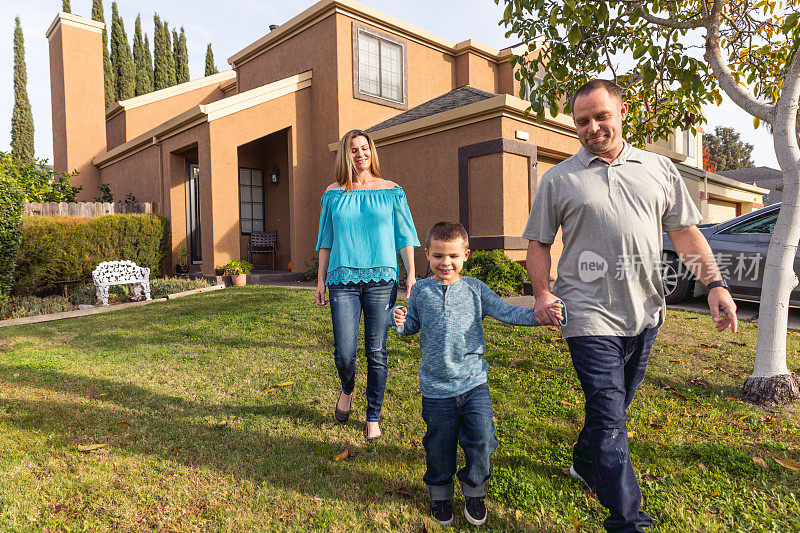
{"type": "Point", "coordinates": [65, 6]}
{"type": "Point", "coordinates": [727, 150]}
{"type": "Point", "coordinates": [21, 117]}
{"type": "Point", "coordinates": [121, 60]}
{"type": "Point", "coordinates": [11, 208]}
{"type": "Point", "coordinates": [36, 182]}
{"type": "Point", "coordinates": [749, 53]}
{"type": "Point", "coordinates": [181, 55]}
{"type": "Point", "coordinates": [708, 163]}
{"type": "Point", "coordinates": [161, 79]}
{"type": "Point", "coordinates": [211, 68]}
{"type": "Point", "coordinates": [108, 72]}
{"type": "Point", "coordinates": [169, 58]}
{"type": "Point", "coordinates": [148, 62]}
{"type": "Point", "coordinates": [144, 82]}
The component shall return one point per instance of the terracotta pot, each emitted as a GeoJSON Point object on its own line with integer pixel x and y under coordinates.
{"type": "Point", "coordinates": [239, 280]}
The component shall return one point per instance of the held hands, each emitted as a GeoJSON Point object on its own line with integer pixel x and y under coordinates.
{"type": "Point", "coordinates": [723, 310]}
{"type": "Point", "coordinates": [319, 294]}
{"type": "Point", "coordinates": [400, 315]}
{"type": "Point", "coordinates": [547, 305]}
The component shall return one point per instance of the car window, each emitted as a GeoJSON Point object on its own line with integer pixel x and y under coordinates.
{"type": "Point", "coordinates": [763, 225]}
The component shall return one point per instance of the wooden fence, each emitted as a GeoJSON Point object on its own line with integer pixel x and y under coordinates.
{"type": "Point", "coordinates": [87, 209]}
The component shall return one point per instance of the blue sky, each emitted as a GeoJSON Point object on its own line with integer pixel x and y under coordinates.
{"type": "Point", "coordinates": [242, 22]}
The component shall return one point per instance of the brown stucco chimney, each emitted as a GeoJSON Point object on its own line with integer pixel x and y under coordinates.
{"type": "Point", "coordinates": [78, 98]}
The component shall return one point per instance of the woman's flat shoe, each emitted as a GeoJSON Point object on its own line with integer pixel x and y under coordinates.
{"type": "Point", "coordinates": [342, 416]}
{"type": "Point", "coordinates": [371, 440]}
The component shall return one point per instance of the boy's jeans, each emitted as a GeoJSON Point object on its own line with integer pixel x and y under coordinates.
{"type": "Point", "coordinates": [347, 301]}
{"type": "Point", "coordinates": [610, 370]}
{"type": "Point", "coordinates": [466, 420]}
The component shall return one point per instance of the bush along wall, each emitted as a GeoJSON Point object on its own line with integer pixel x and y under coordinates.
{"type": "Point", "coordinates": [12, 202]}
{"type": "Point", "coordinates": [56, 249]}
{"type": "Point", "coordinates": [503, 275]}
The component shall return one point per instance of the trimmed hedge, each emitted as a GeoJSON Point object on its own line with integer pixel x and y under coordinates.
{"type": "Point", "coordinates": [57, 249]}
{"type": "Point", "coordinates": [503, 275]}
{"type": "Point", "coordinates": [11, 208]}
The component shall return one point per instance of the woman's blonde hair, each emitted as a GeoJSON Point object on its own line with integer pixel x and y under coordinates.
{"type": "Point", "coordinates": [344, 165]}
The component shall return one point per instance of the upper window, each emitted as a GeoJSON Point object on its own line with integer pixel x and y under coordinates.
{"type": "Point", "coordinates": [251, 200]}
{"type": "Point", "coordinates": [379, 73]}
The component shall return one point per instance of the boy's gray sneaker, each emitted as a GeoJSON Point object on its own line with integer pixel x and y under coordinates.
{"type": "Point", "coordinates": [475, 510]}
{"type": "Point", "coordinates": [575, 475]}
{"type": "Point", "coordinates": [442, 512]}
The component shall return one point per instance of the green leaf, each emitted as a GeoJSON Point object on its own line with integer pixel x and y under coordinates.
{"type": "Point", "coordinates": [554, 108]}
{"type": "Point", "coordinates": [649, 76]}
{"type": "Point", "coordinates": [574, 37]}
{"type": "Point", "coordinates": [602, 12]}
{"type": "Point", "coordinates": [639, 52]}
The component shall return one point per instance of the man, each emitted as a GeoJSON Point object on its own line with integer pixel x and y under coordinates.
{"type": "Point", "coordinates": [612, 202]}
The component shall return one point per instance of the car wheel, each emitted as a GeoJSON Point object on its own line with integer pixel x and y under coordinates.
{"type": "Point", "coordinates": [677, 282]}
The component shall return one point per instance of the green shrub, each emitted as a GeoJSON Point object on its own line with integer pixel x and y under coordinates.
{"type": "Point", "coordinates": [37, 183]}
{"type": "Point", "coordinates": [237, 266]}
{"type": "Point", "coordinates": [312, 269]}
{"type": "Point", "coordinates": [503, 275]}
{"type": "Point", "coordinates": [33, 305]}
{"type": "Point", "coordinates": [62, 249]}
{"type": "Point", "coordinates": [159, 288]}
{"type": "Point", "coordinates": [11, 207]}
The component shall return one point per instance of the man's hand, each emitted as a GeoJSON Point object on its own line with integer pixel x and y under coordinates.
{"type": "Point", "coordinates": [400, 316]}
{"type": "Point", "coordinates": [319, 294]}
{"type": "Point", "coordinates": [723, 310]}
{"type": "Point", "coordinates": [543, 307]}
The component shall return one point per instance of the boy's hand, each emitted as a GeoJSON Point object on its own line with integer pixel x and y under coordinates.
{"type": "Point", "coordinates": [400, 316]}
{"type": "Point", "coordinates": [557, 310]}
{"type": "Point", "coordinates": [541, 309]}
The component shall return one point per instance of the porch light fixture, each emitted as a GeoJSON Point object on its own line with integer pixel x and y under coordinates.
{"type": "Point", "coordinates": [276, 173]}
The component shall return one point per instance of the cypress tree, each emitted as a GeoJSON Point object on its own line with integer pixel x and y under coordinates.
{"type": "Point", "coordinates": [21, 117]}
{"type": "Point", "coordinates": [148, 62]}
{"type": "Point", "coordinates": [143, 83]}
{"type": "Point", "coordinates": [121, 60]}
{"type": "Point", "coordinates": [65, 6]}
{"type": "Point", "coordinates": [211, 68]}
{"type": "Point", "coordinates": [182, 59]}
{"type": "Point", "coordinates": [108, 72]}
{"type": "Point", "coordinates": [169, 57]}
{"type": "Point", "coordinates": [160, 76]}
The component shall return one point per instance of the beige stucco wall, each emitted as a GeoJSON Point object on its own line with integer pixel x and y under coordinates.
{"type": "Point", "coordinates": [78, 101]}
{"type": "Point", "coordinates": [133, 121]}
{"type": "Point", "coordinates": [139, 175]}
{"type": "Point", "coordinates": [477, 71]}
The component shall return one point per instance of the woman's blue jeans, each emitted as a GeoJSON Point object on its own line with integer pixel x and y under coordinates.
{"type": "Point", "coordinates": [375, 298]}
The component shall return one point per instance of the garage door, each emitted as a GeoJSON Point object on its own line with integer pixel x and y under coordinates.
{"type": "Point", "coordinates": [720, 210]}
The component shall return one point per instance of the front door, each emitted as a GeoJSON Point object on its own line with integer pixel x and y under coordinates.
{"type": "Point", "coordinates": [193, 212]}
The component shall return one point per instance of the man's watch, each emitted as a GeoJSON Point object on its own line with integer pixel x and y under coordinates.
{"type": "Point", "coordinates": [718, 283]}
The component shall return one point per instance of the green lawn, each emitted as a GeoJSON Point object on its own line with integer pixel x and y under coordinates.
{"type": "Point", "coordinates": [199, 436]}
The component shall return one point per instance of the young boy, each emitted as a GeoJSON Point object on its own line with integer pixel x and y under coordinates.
{"type": "Point", "coordinates": [448, 310]}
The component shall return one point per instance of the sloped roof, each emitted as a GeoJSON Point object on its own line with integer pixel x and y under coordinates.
{"type": "Point", "coordinates": [451, 100]}
{"type": "Point", "coordinates": [766, 177]}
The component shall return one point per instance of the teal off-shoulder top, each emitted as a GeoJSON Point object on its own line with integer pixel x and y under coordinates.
{"type": "Point", "coordinates": [364, 230]}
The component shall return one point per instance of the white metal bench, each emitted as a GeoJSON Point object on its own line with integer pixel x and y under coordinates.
{"type": "Point", "coordinates": [110, 273]}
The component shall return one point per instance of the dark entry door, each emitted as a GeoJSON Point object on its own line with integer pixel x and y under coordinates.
{"type": "Point", "coordinates": [193, 212]}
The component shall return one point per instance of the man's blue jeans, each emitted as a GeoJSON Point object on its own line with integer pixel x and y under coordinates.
{"type": "Point", "coordinates": [375, 298]}
{"type": "Point", "coordinates": [466, 420]}
{"type": "Point", "coordinates": [610, 370]}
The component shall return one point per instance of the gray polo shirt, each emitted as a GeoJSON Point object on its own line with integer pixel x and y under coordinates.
{"type": "Point", "coordinates": [611, 216]}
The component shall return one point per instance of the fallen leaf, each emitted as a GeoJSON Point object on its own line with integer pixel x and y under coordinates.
{"type": "Point", "coordinates": [673, 361]}
{"type": "Point", "coordinates": [402, 491]}
{"type": "Point", "coordinates": [425, 525]}
{"type": "Point", "coordinates": [707, 371]}
{"type": "Point", "coordinates": [690, 318]}
{"type": "Point", "coordinates": [565, 471]}
{"type": "Point", "coordinates": [787, 463]}
{"type": "Point", "coordinates": [701, 466]}
{"type": "Point", "coordinates": [704, 345]}
{"type": "Point", "coordinates": [631, 434]}
{"type": "Point", "coordinates": [269, 390]}
{"type": "Point", "coordinates": [345, 454]}
{"type": "Point", "coordinates": [102, 394]}
{"type": "Point", "coordinates": [565, 402]}
{"type": "Point", "coordinates": [576, 526]}
{"type": "Point", "coordinates": [729, 398]}
{"type": "Point", "coordinates": [761, 463]}
{"type": "Point", "coordinates": [650, 477]}
{"type": "Point", "coordinates": [518, 514]}
{"type": "Point", "coordinates": [664, 385]}
{"type": "Point", "coordinates": [59, 507]}
{"type": "Point", "coordinates": [86, 448]}
{"type": "Point", "coordinates": [738, 343]}
{"type": "Point", "coordinates": [124, 425]}
{"type": "Point", "coordinates": [221, 424]}
{"type": "Point", "coordinates": [703, 383]}
{"type": "Point", "coordinates": [285, 384]}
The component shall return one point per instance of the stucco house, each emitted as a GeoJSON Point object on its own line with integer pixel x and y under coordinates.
{"type": "Point", "coordinates": [253, 147]}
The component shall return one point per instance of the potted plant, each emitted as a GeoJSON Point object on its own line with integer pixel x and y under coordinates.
{"type": "Point", "coordinates": [183, 263]}
{"type": "Point", "coordinates": [238, 270]}
{"type": "Point", "coordinates": [219, 270]}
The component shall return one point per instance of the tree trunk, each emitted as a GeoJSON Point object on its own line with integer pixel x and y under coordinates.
{"type": "Point", "coordinates": [772, 382]}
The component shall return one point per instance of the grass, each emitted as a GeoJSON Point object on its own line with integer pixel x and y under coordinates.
{"type": "Point", "coordinates": [199, 436]}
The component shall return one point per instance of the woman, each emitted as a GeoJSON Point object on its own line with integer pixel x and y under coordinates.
{"type": "Point", "coordinates": [364, 221]}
